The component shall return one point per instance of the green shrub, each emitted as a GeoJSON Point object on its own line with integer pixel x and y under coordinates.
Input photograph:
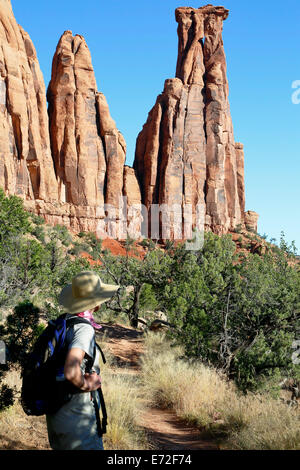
{"type": "Point", "coordinates": [37, 220]}
{"type": "Point", "coordinates": [19, 333]}
{"type": "Point", "coordinates": [148, 299]}
{"type": "Point", "coordinates": [14, 220]}
{"type": "Point", "coordinates": [91, 244]}
{"type": "Point", "coordinates": [6, 397]}
{"type": "Point", "coordinates": [39, 232]}
{"type": "Point", "coordinates": [61, 233]}
{"type": "Point", "coordinates": [148, 243]}
{"type": "Point", "coordinates": [238, 228]}
{"type": "Point", "coordinates": [240, 317]}
{"type": "Point", "coordinates": [78, 248]}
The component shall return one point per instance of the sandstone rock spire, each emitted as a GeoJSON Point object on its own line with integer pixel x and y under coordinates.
{"type": "Point", "coordinates": [86, 145]}
{"type": "Point", "coordinates": [186, 152]}
{"type": "Point", "coordinates": [88, 150]}
{"type": "Point", "coordinates": [222, 199]}
{"type": "Point", "coordinates": [26, 166]}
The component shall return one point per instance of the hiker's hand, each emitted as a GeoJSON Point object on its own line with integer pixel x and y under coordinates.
{"type": "Point", "coordinates": [91, 382]}
{"type": "Point", "coordinates": [73, 373]}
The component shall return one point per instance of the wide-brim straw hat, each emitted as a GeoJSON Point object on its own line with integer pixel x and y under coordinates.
{"type": "Point", "coordinates": [87, 291]}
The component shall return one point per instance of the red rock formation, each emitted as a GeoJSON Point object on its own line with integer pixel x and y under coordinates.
{"type": "Point", "coordinates": [133, 213]}
{"type": "Point", "coordinates": [239, 150]}
{"type": "Point", "coordinates": [186, 154]}
{"type": "Point", "coordinates": [85, 170]}
{"type": "Point", "coordinates": [26, 167]}
{"type": "Point", "coordinates": [77, 148]}
{"type": "Point", "coordinates": [88, 150]}
{"type": "Point", "coordinates": [251, 219]}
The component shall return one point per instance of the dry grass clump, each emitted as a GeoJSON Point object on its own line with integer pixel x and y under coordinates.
{"type": "Point", "coordinates": [201, 395]}
{"type": "Point", "coordinates": [124, 405]}
{"type": "Point", "coordinates": [262, 423]}
{"type": "Point", "coordinates": [21, 432]}
{"type": "Point", "coordinates": [194, 391]}
{"type": "Point", "coordinates": [123, 401]}
{"type": "Point", "coordinates": [122, 396]}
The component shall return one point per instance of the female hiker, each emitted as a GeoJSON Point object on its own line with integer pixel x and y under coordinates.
{"type": "Point", "coordinates": [76, 424]}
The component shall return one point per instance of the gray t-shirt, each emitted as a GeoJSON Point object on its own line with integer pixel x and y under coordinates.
{"type": "Point", "coordinates": [82, 336]}
{"type": "Point", "coordinates": [74, 426]}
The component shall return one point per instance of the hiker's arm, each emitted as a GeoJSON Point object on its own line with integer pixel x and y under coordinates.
{"type": "Point", "coordinates": [73, 373]}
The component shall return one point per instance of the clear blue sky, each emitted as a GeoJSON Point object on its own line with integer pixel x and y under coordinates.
{"type": "Point", "coordinates": [134, 49]}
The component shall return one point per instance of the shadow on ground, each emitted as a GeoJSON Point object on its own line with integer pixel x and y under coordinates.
{"type": "Point", "coordinates": [117, 331]}
{"type": "Point", "coordinates": [125, 343]}
{"type": "Point", "coordinates": [10, 444]}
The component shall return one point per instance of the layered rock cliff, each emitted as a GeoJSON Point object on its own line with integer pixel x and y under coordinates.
{"type": "Point", "coordinates": [66, 165]}
{"type": "Point", "coordinates": [26, 166]}
{"type": "Point", "coordinates": [68, 162]}
{"type": "Point", "coordinates": [186, 155]}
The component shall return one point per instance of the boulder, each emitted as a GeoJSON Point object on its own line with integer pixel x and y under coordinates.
{"type": "Point", "coordinates": [161, 316]}
{"type": "Point", "coordinates": [159, 325]}
{"type": "Point", "coordinates": [142, 324]}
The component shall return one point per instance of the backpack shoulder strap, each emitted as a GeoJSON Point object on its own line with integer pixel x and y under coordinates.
{"type": "Point", "coordinates": [73, 320]}
{"type": "Point", "coordinates": [101, 426]}
{"type": "Point", "coordinates": [101, 352]}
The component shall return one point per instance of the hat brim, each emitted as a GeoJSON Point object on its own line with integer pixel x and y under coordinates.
{"type": "Point", "coordinates": [78, 305]}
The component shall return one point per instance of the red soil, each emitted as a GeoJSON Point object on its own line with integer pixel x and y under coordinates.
{"type": "Point", "coordinates": [116, 248]}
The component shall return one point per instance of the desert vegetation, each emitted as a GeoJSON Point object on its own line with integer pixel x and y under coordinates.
{"type": "Point", "coordinates": [234, 317]}
{"type": "Point", "coordinates": [204, 396]}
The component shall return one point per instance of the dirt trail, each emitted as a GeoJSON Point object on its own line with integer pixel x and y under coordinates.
{"type": "Point", "coordinates": [125, 344]}
{"type": "Point", "coordinates": [165, 430]}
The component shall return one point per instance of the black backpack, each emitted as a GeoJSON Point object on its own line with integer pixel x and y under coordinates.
{"type": "Point", "coordinates": [44, 388]}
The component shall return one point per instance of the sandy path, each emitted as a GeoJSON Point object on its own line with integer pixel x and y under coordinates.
{"type": "Point", "coordinates": [165, 430]}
